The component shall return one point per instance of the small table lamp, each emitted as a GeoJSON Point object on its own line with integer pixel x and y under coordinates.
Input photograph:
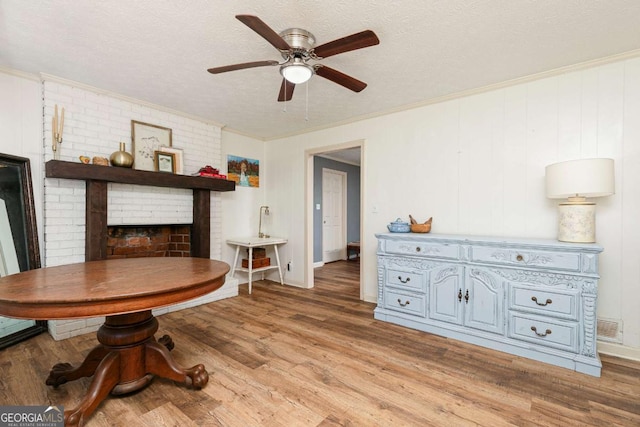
{"type": "Point", "coordinates": [576, 180]}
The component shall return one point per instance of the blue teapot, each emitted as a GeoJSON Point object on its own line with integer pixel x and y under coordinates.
{"type": "Point", "coordinates": [399, 226]}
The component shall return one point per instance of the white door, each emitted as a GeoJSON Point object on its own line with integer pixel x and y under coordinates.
{"type": "Point", "coordinates": [334, 192]}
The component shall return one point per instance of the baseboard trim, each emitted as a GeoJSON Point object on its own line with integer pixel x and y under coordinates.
{"type": "Point", "coordinates": [318, 264]}
{"type": "Point", "coordinates": [371, 298]}
{"type": "Point", "coordinates": [619, 351]}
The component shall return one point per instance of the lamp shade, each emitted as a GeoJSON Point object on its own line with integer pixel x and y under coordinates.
{"type": "Point", "coordinates": [580, 178]}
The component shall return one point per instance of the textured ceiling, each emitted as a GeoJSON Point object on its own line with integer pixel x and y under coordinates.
{"type": "Point", "coordinates": [159, 50]}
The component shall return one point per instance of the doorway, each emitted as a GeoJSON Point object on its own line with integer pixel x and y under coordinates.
{"type": "Point", "coordinates": [351, 154]}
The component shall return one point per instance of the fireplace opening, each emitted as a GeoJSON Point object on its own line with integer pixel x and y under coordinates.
{"type": "Point", "coordinates": [133, 241]}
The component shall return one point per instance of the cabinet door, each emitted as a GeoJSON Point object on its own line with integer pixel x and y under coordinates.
{"type": "Point", "coordinates": [445, 294]}
{"type": "Point", "coordinates": [484, 300]}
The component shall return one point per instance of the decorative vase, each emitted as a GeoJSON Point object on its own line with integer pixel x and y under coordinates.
{"type": "Point", "coordinates": [121, 158]}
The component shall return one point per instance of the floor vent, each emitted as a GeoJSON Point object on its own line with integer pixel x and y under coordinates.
{"type": "Point", "coordinates": [610, 330]}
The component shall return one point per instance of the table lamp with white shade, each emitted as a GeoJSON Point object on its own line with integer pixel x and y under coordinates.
{"type": "Point", "coordinates": [575, 180]}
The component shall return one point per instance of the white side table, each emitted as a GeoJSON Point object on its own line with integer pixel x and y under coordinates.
{"type": "Point", "coordinates": [254, 242]}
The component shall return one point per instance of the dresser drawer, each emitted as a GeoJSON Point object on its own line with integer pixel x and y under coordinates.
{"type": "Point", "coordinates": [553, 333]}
{"type": "Point", "coordinates": [545, 302]}
{"type": "Point", "coordinates": [422, 249]}
{"type": "Point", "coordinates": [406, 280]}
{"type": "Point", "coordinates": [526, 258]}
{"type": "Point", "coordinates": [405, 303]}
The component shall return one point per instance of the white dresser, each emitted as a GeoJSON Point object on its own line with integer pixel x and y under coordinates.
{"type": "Point", "coordinates": [529, 297]}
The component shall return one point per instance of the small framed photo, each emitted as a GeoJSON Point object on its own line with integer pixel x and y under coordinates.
{"type": "Point", "coordinates": [179, 158]}
{"type": "Point", "coordinates": [165, 162]}
{"type": "Point", "coordinates": [146, 139]}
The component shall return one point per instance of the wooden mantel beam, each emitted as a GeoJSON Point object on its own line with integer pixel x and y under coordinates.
{"type": "Point", "coordinates": [97, 177]}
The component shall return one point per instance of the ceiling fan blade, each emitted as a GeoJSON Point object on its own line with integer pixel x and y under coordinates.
{"type": "Point", "coordinates": [218, 70]}
{"type": "Point", "coordinates": [354, 41]}
{"type": "Point", "coordinates": [257, 25]}
{"type": "Point", "coordinates": [340, 78]}
{"type": "Point", "coordinates": [286, 90]}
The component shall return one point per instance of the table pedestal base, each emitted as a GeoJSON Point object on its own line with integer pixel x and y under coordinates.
{"type": "Point", "coordinates": [126, 360]}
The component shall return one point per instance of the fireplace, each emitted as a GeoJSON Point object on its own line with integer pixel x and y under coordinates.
{"type": "Point", "coordinates": [148, 241]}
{"type": "Point", "coordinates": [98, 178]}
{"type": "Point", "coordinates": [103, 188]}
{"type": "Point", "coordinates": [113, 196]}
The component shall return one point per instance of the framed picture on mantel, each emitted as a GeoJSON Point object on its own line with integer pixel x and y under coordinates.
{"type": "Point", "coordinates": [165, 162]}
{"type": "Point", "coordinates": [179, 162]}
{"type": "Point", "coordinates": [146, 139]}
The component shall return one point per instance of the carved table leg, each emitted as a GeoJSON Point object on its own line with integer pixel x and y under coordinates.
{"type": "Point", "coordinates": [159, 362]}
{"type": "Point", "coordinates": [64, 372]}
{"type": "Point", "coordinates": [106, 377]}
{"type": "Point", "coordinates": [126, 360]}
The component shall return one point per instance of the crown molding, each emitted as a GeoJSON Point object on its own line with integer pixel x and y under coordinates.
{"type": "Point", "coordinates": [22, 74]}
{"type": "Point", "coordinates": [247, 135]}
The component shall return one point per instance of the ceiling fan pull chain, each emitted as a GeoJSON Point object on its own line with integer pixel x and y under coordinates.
{"type": "Point", "coordinates": [306, 107]}
{"type": "Point", "coordinates": [284, 109]}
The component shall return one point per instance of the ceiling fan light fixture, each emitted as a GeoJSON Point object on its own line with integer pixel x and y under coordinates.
{"type": "Point", "coordinates": [297, 47]}
{"type": "Point", "coordinates": [296, 72]}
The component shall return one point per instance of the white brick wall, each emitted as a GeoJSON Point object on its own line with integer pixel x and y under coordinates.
{"type": "Point", "coordinates": [135, 204]}
{"type": "Point", "coordinates": [94, 124]}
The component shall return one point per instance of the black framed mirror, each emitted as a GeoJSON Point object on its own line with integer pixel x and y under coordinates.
{"type": "Point", "coordinates": [19, 248]}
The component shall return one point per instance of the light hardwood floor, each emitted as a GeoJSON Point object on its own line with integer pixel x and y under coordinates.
{"type": "Point", "coordinates": [291, 357]}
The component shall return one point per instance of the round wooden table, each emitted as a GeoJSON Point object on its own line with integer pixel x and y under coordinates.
{"type": "Point", "coordinates": [125, 291]}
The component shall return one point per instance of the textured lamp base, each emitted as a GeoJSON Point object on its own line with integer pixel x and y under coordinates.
{"type": "Point", "coordinates": [577, 222]}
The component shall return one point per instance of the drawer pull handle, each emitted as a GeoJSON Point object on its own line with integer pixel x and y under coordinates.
{"type": "Point", "coordinates": [533, 328]}
{"type": "Point", "coordinates": [459, 295]}
{"type": "Point", "coordinates": [418, 248]}
{"type": "Point", "coordinates": [401, 304]}
{"type": "Point", "coordinates": [548, 301]}
{"type": "Point", "coordinates": [404, 281]}
{"type": "Point", "coordinates": [519, 257]}
{"type": "Point", "coordinates": [466, 297]}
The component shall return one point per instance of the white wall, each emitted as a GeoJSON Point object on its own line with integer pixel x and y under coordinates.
{"type": "Point", "coordinates": [21, 130]}
{"type": "Point", "coordinates": [476, 164]}
{"type": "Point", "coordinates": [240, 216]}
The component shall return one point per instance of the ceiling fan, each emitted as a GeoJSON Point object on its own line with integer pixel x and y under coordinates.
{"type": "Point", "coordinates": [297, 48]}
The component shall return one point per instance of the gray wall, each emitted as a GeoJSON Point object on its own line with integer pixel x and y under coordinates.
{"type": "Point", "coordinates": [353, 201]}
